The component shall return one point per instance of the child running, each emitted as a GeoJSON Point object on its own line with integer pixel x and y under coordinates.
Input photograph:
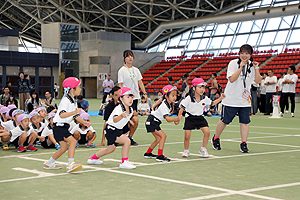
{"type": "Point", "coordinates": [61, 123]}
{"type": "Point", "coordinates": [154, 120]}
{"type": "Point", "coordinates": [114, 130]}
{"type": "Point", "coordinates": [194, 105]}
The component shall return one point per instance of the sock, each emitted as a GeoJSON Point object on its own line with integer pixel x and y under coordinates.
{"type": "Point", "coordinates": [203, 147]}
{"type": "Point", "coordinates": [123, 159]}
{"type": "Point", "coordinates": [29, 144]}
{"type": "Point", "coordinates": [51, 160]}
{"type": "Point", "coordinates": [70, 160]}
{"type": "Point", "coordinates": [186, 150]}
{"type": "Point", "coordinates": [216, 138]}
{"type": "Point", "coordinates": [160, 152]}
{"type": "Point", "coordinates": [20, 145]}
{"type": "Point", "coordinates": [5, 142]}
{"type": "Point", "coordinates": [94, 157]}
{"type": "Point", "coordinates": [149, 150]}
{"type": "Point", "coordinates": [244, 141]}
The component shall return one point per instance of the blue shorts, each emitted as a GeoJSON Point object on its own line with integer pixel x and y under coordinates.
{"type": "Point", "coordinates": [228, 113]}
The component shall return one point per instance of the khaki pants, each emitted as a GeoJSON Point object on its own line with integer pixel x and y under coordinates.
{"type": "Point", "coordinates": [22, 99]}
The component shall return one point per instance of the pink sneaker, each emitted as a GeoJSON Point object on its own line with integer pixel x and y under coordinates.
{"type": "Point", "coordinates": [31, 148]}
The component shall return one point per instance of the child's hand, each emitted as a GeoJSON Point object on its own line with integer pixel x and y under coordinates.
{"type": "Point", "coordinates": [255, 64]}
{"type": "Point", "coordinates": [78, 110]}
{"type": "Point", "coordinates": [42, 139]}
{"type": "Point", "coordinates": [124, 115]}
{"type": "Point", "coordinates": [223, 96]}
{"type": "Point", "coordinates": [176, 122]}
{"type": "Point", "coordinates": [87, 124]}
{"type": "Point", "coordinates": [89, 143]}
{"type": "Point", "coordinates": [179, 117]}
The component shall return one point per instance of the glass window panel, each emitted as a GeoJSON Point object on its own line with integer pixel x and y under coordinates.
{"type": "Point", "coordinates": [295, 36]}
{"type": "Point", "coordinates": [70, 64]}
{"type": "Point", "coordinates": [266, 2]}
{"type": "Point", "coordinates": [1, 70]}
{"type": "Point", "coordinates": [216, 42]}
{"type": "Point", "coordinates": [281, 37]}
{"type": "Point", "coordinates": [232, 28]}
{"type": "Point", "coordinates": [44, 81]}
{"type": "Point", "coordinates": [69, 33]}
{"type": "Point", "coordinates": [273, 23]}
{"type": "Point", "coordinates": [207, 33]}
{"type": "Point", "coordinates": [182, 43]}
{"type": "Point", "coordinates": [252, 40]}
{"type": "Point", "coordinates": [44, 71]}
{"type": "Point", "coordinates": [246, 27]}
{"type": "Point", "coordinates": [161, 47]}
{"type": "Point", "coordinates": [174, 41]}
{"type": "Point", "coordinates": [240, 40]}
{"type": "Point", "coordinates": [173, 52]}
{"type": "Point", "coordinates": [226, 42]}
{"type": "Point", "coordinates": [279, 48]}
{"type": "Point", "coordinates": [221, 29]}
{"type": "Point", "coordinates": [193, 44]}
{"type": "Point", "coordinates": [12, 70]}
{"type": "Point", "coordinates": [197, 34]}
{"type": "Point", "coordinates": [200, 28]}
{"type": "Point", "coordinates": [203, 43]}
{"type": "Point", "coordinates": [267, 38]}
{"type": "Point", "coordinates": [185, 35]}
{"type": "Point", "coordinates": [29, 70]}
{"type": "Point", "coordinates": [258, 24]}
{"type": "Point", "coordinates": [69, 50]}
{"type": "Point", "coordinates": [22, 49]}
{"type": "Point", "coordinates": [189, 54]}
{"type": "Point", "coordinates": [286, 22]}
{"type": "Point", "coordinates": [209, 27]}
{"type": "Point", "coordinates": [297, 24]}
{"type": "Point", "coordinates": [153, 49]}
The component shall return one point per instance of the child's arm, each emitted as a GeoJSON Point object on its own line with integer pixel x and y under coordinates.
{"type": "Point", "coordinates": [91, 140]}
{"type": "Point", "coordinates": [4, 133]}
{"type": "Point", "coordinates": [219, 99]}
{"type": "Point", "coordinates": [121, 116]}
{"type": "Point", "coordinates": [157, 103]}
{"type": "Point", "coordinates": [80, 120]}
{"type": "Point", "coordinates": [180, 111]}
{"type": "Point", "coordinates": [169, 119]}
{"type": "Point", "coordinates": [69, 114]}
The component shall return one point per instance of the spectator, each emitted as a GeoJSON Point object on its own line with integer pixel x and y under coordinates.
{"type": "Point", "coordinates": [270, 83]}
{"type": "Point", "coordinates": [5, 96]}
{"type": "Point", "coordinates": [33, 102]}
{"type": "Point", "coordinates": [12, 100]}
{"type": "Point", "coordinates": [214, 86]}
{"type": "Point", "coordinates": [83, 103]}
{"type": "Point", "coordinates": [23, 90]}
{"type": "Point", "coordinates": [107, 85]}
{"type": "Point", "coordinates": [143, 107]}
{"type": "Point", "coordinates": [170, 80]}
{"type": "Point", "coordinates": [185, 86]}
{"type": "Point", "coordinates": [262, 107]}
{"type": "Point", "coordinates": [280, 85]}
{"type": "Point", "coordinates": [56, 87]}
{"type": "Point", "coordinates": [8, 84]}
{"type": "Point", "coordinates": [50, 102]}
{"type": "Point", "coordinates": [159, 95]}
{"type": "Point", "coordinates": [254, 97]}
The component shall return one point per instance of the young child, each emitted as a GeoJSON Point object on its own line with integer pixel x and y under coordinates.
{"type": "Point", "coordinates": [22, 135]}
{"type": "Point", "coordinates": [194, 105]}
{"type": "Point", "coordinates": [3, 111]}
{"type": "Point", "coordinates": [47, 138]}
{"type": "Point", "coordinates": [83, 134]}
{"type": "Point", "coordinates": [154, 120]}
{"type": "Point", "coordinates": [114, 130]}
{"type": "Point", "coordinates": [11, 124]}
{"type": "Point", "coordinates": [61, 122]}
{"type": "Point", "coordinates": [143, 107]}
{"type": "Point", "coordinates": [36, 125]}
{"type": "Point", "coordinates": [43, 114]}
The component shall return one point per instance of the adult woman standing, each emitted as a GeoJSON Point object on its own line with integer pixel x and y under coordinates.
{"type": "Point", "coordinates": [129, 76]}
{"type": "Point", "coordinates": [240, 74]}
{"type": "Point", "coordinates": [23, 89]}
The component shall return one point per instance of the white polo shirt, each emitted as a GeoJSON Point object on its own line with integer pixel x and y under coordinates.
{"type": "Point", "coordinates": [290, 88]}
{"type": "Point", "coordinates": [130, 77]}
{"type": "Point", "coordinates": [116, 112]}
{"type": "Point", "coordinates": [67, 104]}
{"type": "Point", "coordinates": [78, 127]}
{"type": "Point", "coordinates": [234, 91]}
{"type": "Point", "coordinates": [38, 130]}
{"type": "Point", "coordinates": [143, 107]}
{"type": "Point", "coordinates": [72, 125]}
{"type": "Point", "coordinates": [271, 88]}
{"type": "Point", "coordinates": [162, 111]}
{"type": "Point", "coordinates": [47, 131]}
{"type": "Point", "coordinates": [195, 108]}
{"type": "Point", "coordinates": [279, 84]}
{"type": "Point", "coordinates": [16, 132]}
{"type": "Point", "coordinates": [9, 125]}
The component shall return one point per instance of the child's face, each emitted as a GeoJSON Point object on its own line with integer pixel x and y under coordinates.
{"type": "Point", "coordinates": [35, 119]}
{"type": "Point", "coordinates": [115, 96]}
{"type": "Point", "coordinates": [159, 94]}
{"type": "Point", "coordinates": [43, 113]}
{"type": "Point", "coordinates": [34, 96]}
{"type": "Point", "coordinates": [25, 123]}
{"type": "Point", "coordinates": [77, 90]}
{"type": "Point", "coordinates": [172, 96]}
{"type": "Point", "coordinates": [143, 100]}
{"type": "Point", "coordinates": [199, 90]}
{"type": "Point", "coordinates": [217, 95]}
{"type": "Point", "coordinates": [51, 120]}
{"type": "Point", "coordinates": [127, 99]}
{"type": "Point", "coordinates": [245, 56]}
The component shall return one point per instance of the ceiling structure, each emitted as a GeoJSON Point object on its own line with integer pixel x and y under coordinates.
{"type": "Point", "coordinates": [139, 18]}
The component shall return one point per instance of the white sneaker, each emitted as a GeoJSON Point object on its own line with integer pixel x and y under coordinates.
{"type": "Point", "coordinates": [51, 165]}
{"type": "Point", "coordinates": [73, 167]}
{"type": "Point", "coordinates": [292, 115]}
{"type": "Point", "coordinates": [281, 114]}
{"type": "Point", "coordinates": [127, 165]}
{"type": "Point", "coordinates": [286, 111]}
{"type": "Point", "coordinates": [186, 153]}
{"type": "Point", "coordinates": [203, 152]}
{"type": "Point", "coordinates": [94, 161]}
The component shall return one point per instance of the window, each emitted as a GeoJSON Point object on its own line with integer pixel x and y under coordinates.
{"type": "Point", "coordinates": [246, 27]}
{"type": "Point", "coordinates": [203, 44]}
{"type": "Point", "coordinates": [268, 38]}
{"type": "Point", "coordinates": [174, 41]}
{"type": "Point", "coordinates": [12, 70]}
{"type": "Point", "coordinates": [295, 36]}
{"type": "Point", "coordinates": [161, 47]}
{"type": "Point", "coordinates": [286, 22]}
{"type": "Point", "coordinates": [185, 35]}
{"type": "Point", "coordinates": [273, 23]}
{"type": "Point", "coordinates": [45, 71]}
{"type": "Point", "coordinates": [221, 29]}
{"type": "Point", "coordinates": [29, 70]}
{"type": "Point", "coordinates": [193, 44]}
{"type": "Point", "coordinates": [240, 40]}
{"type": "Point", "coordinates": [226, 42]}
{"type": "Point", "coordinates": [252, 40]}
{"type": "Point", "coordinates": [216, 42]}
{"type": "Point", "coordinates": [281, 37]}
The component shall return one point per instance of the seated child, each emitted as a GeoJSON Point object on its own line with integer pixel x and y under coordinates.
{"type": "Point", "coordinates": [48, 140]}
{"type": "Point", "coordinates": [143, 107]}
{"type": "Point", "coordinates": [43, 114]}
{"type": "Point", "coordinates": [11, 124]}
{"type": "Point", "coordinates": [36, 125]}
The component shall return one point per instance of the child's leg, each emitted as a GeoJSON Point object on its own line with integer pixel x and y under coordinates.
{"type": "Point", "coordinates": [22, 139]}
{"type": "Point", "coordinates": [90, 135]}
{"type": "Point", "coordinates": [133, 127]}
{"type": "Point", "coordinates": [77, 135]}
{"type": "Point", "coordinates": [71, 140]}
{"type": "Point", "coordinates": [206, 133]}
{"type": "Point", "coordinates": [32, 137]}
{"type": "Point", "coordinates": [61, 151]}
{"type": "Point", "coordinates": [155, 142]}
{"type": "Point", "coordinates": [107, 150]}
{"type": "Point", "coordinates": [187, 137]}
{"type": "Point", "coordinates": [103, 136]}
{"type": "Point", "coordinates": [126, 141]}
{"type": "Point", "coordinates": [244, 128]}
{"type": "Point", "coordinates": [162, 140]}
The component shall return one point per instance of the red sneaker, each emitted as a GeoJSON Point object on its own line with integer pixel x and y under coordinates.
{"type": "Point", "coordinates": [21, 149]}
{"type": "Point", "coordinates": [31, 148]}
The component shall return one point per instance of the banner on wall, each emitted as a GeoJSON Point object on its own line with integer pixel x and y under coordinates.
{"type": "Point", "coordinates": [102, 76]}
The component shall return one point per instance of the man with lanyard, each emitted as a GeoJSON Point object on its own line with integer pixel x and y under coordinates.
{"type": "Point", "coordinates": [107, 85]}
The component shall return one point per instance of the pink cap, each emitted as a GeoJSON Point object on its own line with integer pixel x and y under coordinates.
{"type": "Point", "coordinates": [50, 115]}
{"type": "Point", "coordinates": [33, 113]}
{"type": "Point", "coordinates": [82, 111]}
{"type": "Point", "coordinates": [85, 116]}
{"type": "Point", "coordinates": [168, 88]}
{"type": "Point", "coordinates": [22, 116]}
{"type": "Point", "coordinates": [71, 82]}
{"type": "Point", "coordinates": [7, 114]}
{"type": "Point", "coordinates": [40, 108]}
{"type": "Point", "coordinates": [4, 109]}
{"type": "Point", "coordinates": [198, 82]}
{"type": "Point", "coordinates": [18, 111]}
{"type": "Point", "coordinates": [11, 106]}
{"type": "Point", "coordinates": [125, 90]}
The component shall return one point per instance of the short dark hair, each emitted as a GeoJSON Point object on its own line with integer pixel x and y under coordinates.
{"type": "Point", "coordinates": [156, 99]}
{"type": "Point", "coordinates": [114, 89]}
{"type": "Point", "coordinates": [48, 91]}
{"type": "Point", "coordinates": [127, 53]}
{"type": "Point", "coordinates": [25, 75]}
{"type": "Point", "coordinates": [6, 87]}
{"type": "Point", "coordinates": [292, 68]}
{"type": "Point", "coordinates": [80, 97]}
{"type": "Point", "coordinates": [270, 70]}
{"type": "Point", "coordinates": [143, 97]}
{"type": "Point", "coordinates": [21, 73]}
{"type": "Point", "coordinates": [215, 74]}
{"type": "Point", "coordinates": [8, 82]}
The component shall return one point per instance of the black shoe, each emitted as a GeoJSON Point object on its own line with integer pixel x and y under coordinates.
{"type": "Point", "coordinates": [150, 155]}
{"type": "Point", "coordinates": [133, 143]}
{"type": "Point", "coordinates": [215, 143]}
{"type": "Point", "coordinates": [244, 148]}
{"type": "Point", "coordinates": [162, 158]}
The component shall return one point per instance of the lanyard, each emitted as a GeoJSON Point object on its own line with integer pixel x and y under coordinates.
{"type": "Point", "coordinates": [131, 73]}
{"type": "Point", "coordinates": [245, 73]}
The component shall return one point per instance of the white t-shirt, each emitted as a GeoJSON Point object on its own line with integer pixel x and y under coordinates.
{"type": "Point", "coordinates": [271, 88]}
{"type": "Point", "coordinates": [195, 108]}
{"type": "Point", "coordinates": [290, 88]}
{"type": "Point", "coordinates": [130, 77]}
{"type": "Point", "coordinates": [78, 127]}
{"type": "Point", "coordinates": [17, 131]}
{"type": "Point", "coordinates": [143, 107]}
{"type": "Point", "coordinates": [38, 130]}
{"type": "Point", "coordinates": [47, 131]}
{"type": "Point", "coordinates": [72, 125]}
{"type": "Point", "coordinates": [162, 111]}
{"type": "Point", "coordinates": [67, 104]}
{"type": "Point", "coordinates": [279, 84]}
{"type": "Point", "coordinates": [9, 125]}
{"type": "Point", "coordinates": [234, 91]}
{"type": "Point", "coordinates": [262, 87]}
{"type": "Point", "coordinates": [119, 109]}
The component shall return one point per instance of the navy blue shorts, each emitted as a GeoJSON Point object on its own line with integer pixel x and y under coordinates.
{"type": "Point", "coordinates": [228, 114]}
{"type": "Point", "coordinates": [111, 135]}
{"type": "Point", "coordinates": [61, 132]}
{"type": "Point", "coordinates": [16, 142]}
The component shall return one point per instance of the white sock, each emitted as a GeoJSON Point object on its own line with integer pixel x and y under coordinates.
{"type": "Point", "coordinates": [70, 160]}
{"type": "Point", "coordinates": [51, 160]}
